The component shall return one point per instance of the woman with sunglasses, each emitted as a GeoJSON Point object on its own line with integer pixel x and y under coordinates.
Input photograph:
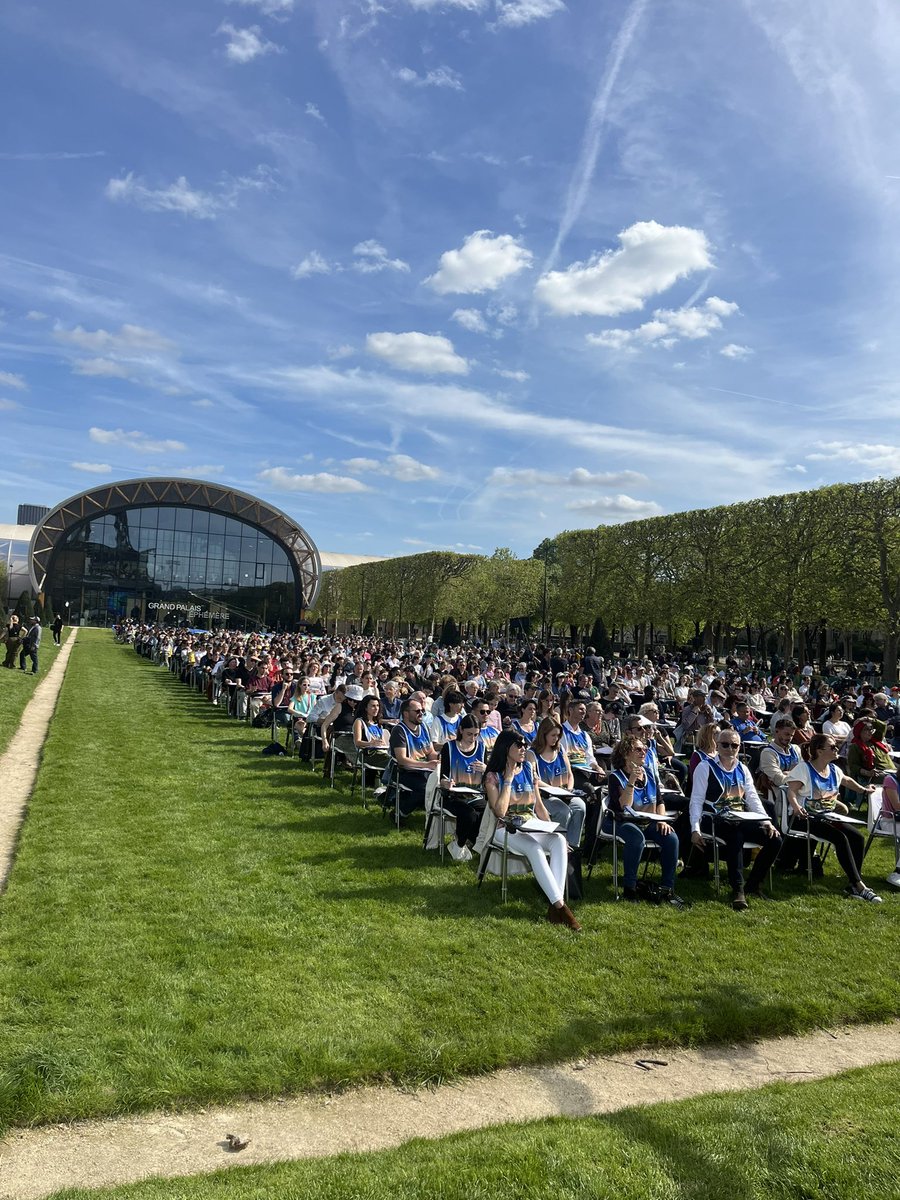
{"type": "Point", "coordinates": [511, 789]}
{"type": "Point", "coordinates": [368, 733]}
{"type": "Point", "coordinates": [723, 785]}
{"type": "Point", "coordinates": [813, 789]}
{"type": "Point", "coordinates": [629, 797]}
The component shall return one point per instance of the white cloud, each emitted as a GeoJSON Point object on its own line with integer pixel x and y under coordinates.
{"type": "Point", "coordinates": [650, 259]}
{"type": "Point", "coordinates": [100, 366]}
{"type": "Point", "coordinates": [313, 110]}
{"type": "Point", "coordinates": [517, 376]}
{"type": "Point", "coordinates": [468, 5]}
{"type": "Point", "coordinates": [34, 315]}
{"type": "Point", "coordinates": [371, 257]}
{"type": "Point", "coordinates": [8, 379]}
{"type": "Point", "coordinates": [313, 264]}
{"type": "Point", "coordinates": [514, 13]}
{"type": "Point", "coordinates": [204, 471]}
{"type": "Point", "coordinates": [616, 508]}
{"type": "Point", "coordinates": [481, 264]}
{"type": "Point", "coordinates": [130, 340]}
{"type": "Point", "coordinates": [871, 456]}
{"type": "Point", "coordinates": [343, 351]}
{"type": "Point", "coordinates": [503, 314]}
{"type": "Point", "coordinates": [270, 8]}
{"type": "Point", "coordinates": [92, 468]}
{"type": "Point", "coordinates": [323, 482]}
{"type": "Point", "coordinates": [428, 353]}
{"type": "Point", "coordinates": [244, 45]}
{"type": "Point", "coordinates": [203, 403]}
{"type": "Point", "coordinates": [177, 197]}
{"type": "Point", "coordinates": [451, 403]}
{"type": "Point", "coordinates": [398, 466]}
{"type": "Point", "coordinates": [580, 477]}
{"type": "Point", "coordinates": [471, 319]}
{"type": "Point", "coordinates": [670, 325]}
{"type": "Point", "coordinates": [134, 440]}
{"type": "Point", "coordinates": [7, 405]}
{"type": "Point", "coordinates": [733, 350]}
{"type": "Point", "coordinates": [439, 77]}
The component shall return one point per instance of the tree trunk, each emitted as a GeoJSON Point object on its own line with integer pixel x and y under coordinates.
{"type": "Point", "coordinates": [889, 670]}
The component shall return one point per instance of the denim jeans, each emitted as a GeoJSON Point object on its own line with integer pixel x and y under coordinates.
{"type": "Point", "coordinates": [569, 815]}
{"type": "Point", "coordinates": [635, 838]}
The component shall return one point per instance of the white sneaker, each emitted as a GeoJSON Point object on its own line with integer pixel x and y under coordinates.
{"type": "Point", "coordinates": [865, 894]}
{"type": "Point", "coordinates": [458, 852]}
{"type": "Point", "coordinates": [894, 879]}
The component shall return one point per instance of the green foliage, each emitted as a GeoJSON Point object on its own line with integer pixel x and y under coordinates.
{"type": "Point", "coordinates": [25, 606]}
{"type": "Point", "coordinates": [801, 562]}
{"type": "Point", "coordinates": [49, 616]}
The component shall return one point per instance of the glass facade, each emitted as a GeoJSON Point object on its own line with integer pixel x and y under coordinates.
{"type": "Point", "coordinates": [176, 565]}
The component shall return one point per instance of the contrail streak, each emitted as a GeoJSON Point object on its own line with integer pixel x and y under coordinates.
{"type": "Point", "coordinates": [596, 126]}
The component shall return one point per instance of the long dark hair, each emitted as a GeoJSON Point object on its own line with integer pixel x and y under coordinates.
{"type": "Point", "coordinates": [500, 751]}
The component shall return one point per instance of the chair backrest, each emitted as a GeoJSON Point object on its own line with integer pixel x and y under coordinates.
{"type": "Point", "coordinates": [876, 801]}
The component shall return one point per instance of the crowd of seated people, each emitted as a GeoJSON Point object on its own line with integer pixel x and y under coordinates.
{"type": "Point", "coordinates": [669, 755]}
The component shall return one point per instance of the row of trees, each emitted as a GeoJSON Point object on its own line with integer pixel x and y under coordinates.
{"type": "Point", "coordinates": [795, 566]}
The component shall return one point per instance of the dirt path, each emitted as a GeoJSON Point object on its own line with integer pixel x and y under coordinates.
{"type": "Point", "coordinates": [19, 765]}
{"type": "Point", "coordinates": [36, 1162]}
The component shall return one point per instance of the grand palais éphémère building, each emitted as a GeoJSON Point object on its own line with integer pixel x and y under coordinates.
{"type": "Point", "coordinates": [170, 550]}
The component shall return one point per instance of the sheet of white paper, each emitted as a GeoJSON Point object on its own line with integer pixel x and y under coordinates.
{"type": "Point", "coordinates": [533, 825]}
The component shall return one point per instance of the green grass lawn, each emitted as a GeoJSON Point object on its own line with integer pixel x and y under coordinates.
{"type": "Point", "coordinates": [17, 687]}
{"type": "Point", "coordinates": [833, 1140]}
{"type": "Point", "coordinates": [189, 921]}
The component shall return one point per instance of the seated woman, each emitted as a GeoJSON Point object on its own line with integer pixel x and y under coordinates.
{"type": "Point", "coordinates": [804, 730]}
{"type": "Point", "coordinates": [301, 707]}
{"type": "Point", "coordinates": [868, 759]}
{"type": "Point", "coordinates": [657, 739]}
{"type": "Point", "coordinates": [462, 766]}
{"type": "Point", "coordinates": [368, 733]}
{"type": "Point", "coordinates": [813, 788]}
{"type": "Point", "coordinates": [511, 790]}
{"type": "Point", "coordinates": [834, 724]}
{"type": "Point", "coordinates": [629, 795]}
{"type": "Point", "coordinates": [547, 705]}
{"type": "Point", "coordinates": [551, 763]}
{"type": "Point", "coordinates": [446, 723]}
{"type": "Point", "coordinates": [525, 722]}
{"type": "Point", "coordinates": [704, 748]}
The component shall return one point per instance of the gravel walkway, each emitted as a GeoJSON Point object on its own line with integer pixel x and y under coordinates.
{"type": "Point", "coordinates": [19, 765]}
{"type": "Point", "coordinates": [37, 1162]}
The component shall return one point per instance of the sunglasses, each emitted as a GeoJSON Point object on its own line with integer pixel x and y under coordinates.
{"type": "Point", "coordinates": [729, 745]}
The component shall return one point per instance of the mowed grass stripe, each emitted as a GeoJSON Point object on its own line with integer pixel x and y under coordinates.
{"type": "Point", "coordinates": [189, 921]}
{"type": "Point", "coordinates": [833, 1140]}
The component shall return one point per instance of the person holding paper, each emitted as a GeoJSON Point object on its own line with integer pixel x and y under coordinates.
{"type": "Point", "coordinates": [511, 790]}
{"type": "Point", "coordinates": [462, 767]}
{"type": "Point", "coordinates": [551, 763]}
{"type": "Point", "coordinates": [725, 786]}
{"type": "Point", "coordinates": [630, 798]}
{"type": "Point", "coordinates": [813, 788]}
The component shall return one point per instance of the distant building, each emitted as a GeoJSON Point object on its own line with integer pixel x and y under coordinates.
{"type": "Point", "coordinates": [174, 550]}
{"type": "Point", "coordinates": [30, 514]}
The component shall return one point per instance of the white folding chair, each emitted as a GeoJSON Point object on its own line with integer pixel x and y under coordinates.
{"type": "Point", "coordinates": [882, 824]}
{"type": "Point", "coordinates": [502, 860]}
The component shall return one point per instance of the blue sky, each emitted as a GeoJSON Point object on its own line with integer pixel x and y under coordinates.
{"type": "Point", "coordinates": [450, 272]}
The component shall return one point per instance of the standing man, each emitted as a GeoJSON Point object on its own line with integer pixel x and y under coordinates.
{"type": "Point", "coordinates": [57, 629]}
{"type": "Point", "coordinates": [30, 645]}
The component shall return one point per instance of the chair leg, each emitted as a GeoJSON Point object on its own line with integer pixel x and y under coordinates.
{"type": "Point", "coordinates": [615, 865]}
{"type": "Point", "coordinates": [715, 842]}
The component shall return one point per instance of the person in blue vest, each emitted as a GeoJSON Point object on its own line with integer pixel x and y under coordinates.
{"type": "Point", "coordinates": [414, 754]}
{"type": "Point", "coordinates": [814, 788]}
{"type": "Point", "coordinates": [630, 795]}
{"type": "Point", "coordinates": [723, 785]}
{"type": "Point", "coordinates": [462, 766]}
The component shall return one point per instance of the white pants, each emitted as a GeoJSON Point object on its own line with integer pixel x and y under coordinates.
{"type": "Point", "coordinates": [551, 877]}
